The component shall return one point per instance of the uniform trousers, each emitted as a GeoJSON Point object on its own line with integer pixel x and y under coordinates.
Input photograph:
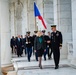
{"type": "Point", "coordinates": [56, 55]}
{"type": "Point", "coordinates": [29, 52]}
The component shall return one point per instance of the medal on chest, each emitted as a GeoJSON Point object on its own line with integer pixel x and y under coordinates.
{"type": "Point", "coordinates": [57, 34]}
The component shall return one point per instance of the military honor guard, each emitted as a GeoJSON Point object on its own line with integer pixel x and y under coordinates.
{"type": "Point", "coordinates": [34, 36]}
{"type": "Point", "coordinates": [49, 47]}
{"type": "Point", "coordinates": [47, 41]}
{"type": "Point", "coordinates": [56, 44]}
{"type": "Point", "coordinates": [29, 45]}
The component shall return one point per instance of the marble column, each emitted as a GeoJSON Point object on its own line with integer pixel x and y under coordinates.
{"type": "Point", "coordinates": [0, 40]}
{"type": "Point", "coordinates": [30, 16]}
{"type": "Point", "coordinates": [19, 18]}
{"type": "Point", "coordinates": [12, 18]}
{"type": "Point", "coordinates": [63, 20]}
{"type": "Point", "coordinates": [24, 18]}
{"type": "Point", "coordinates": [74, 31]}
{"type": "Point", "coordinates": [5, 34]}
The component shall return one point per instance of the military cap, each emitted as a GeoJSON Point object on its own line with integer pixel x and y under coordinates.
{"type": "Point", "coordinates": [43, 31]}
{"type": "Point", "coordinates": [53, 25]}
{"type": "Point", "coordinates": [35, 31]}
{"type": "Point", "coordinates": [28, 32]}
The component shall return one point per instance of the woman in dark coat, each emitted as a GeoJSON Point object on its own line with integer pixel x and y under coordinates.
{"type": "Point", "coordinates": [39, 47]}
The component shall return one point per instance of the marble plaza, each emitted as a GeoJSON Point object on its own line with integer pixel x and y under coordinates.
{"type": "Point", "coordinates": [31, 68]}
{"type": "Point", "coordinates": [17, 17]}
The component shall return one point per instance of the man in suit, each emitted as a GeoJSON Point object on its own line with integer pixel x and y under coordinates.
{"type": "Point", "coordinates": [19, 46]}
{"type": "Point", "coordinates": [29, 45]}
{"type": "Point", "coordinates": [56, 44]}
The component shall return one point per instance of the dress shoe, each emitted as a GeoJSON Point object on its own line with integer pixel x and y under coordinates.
{"type": "Point", "coordinates": [56, 67]}
{"type": "Point", "coordinates": [41, 67]}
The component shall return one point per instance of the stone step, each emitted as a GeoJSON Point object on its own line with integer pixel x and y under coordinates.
{"type": "Point", "coordinates": [8, 70]}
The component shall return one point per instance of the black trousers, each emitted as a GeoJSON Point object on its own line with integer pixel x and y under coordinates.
{"type": "Point", "coordinates": [12, 49]}
{"type": "Point", "coordinates": [19, 51]}
{"type": "Point", "coordinates": [56, 55]}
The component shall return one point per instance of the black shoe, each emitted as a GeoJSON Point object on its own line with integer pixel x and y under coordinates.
{"type": "Point", "coordinates": [56, 67]}
{"type": "Point", "coordinates": [36, 60]}
{"type": "Point", "coordinates": [20, 55]}
{"type": "Point", "coordinates": [44, 59]}
{"type": "Point", "coordinates": [50, 58]}
{"type": "Point", "coordinates": [28, 60]}
{"type": "Point", "coordinates": [40, 67]}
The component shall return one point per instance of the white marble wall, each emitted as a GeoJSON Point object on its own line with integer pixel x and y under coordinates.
{"type": "Point", "coordinates": [12, 19]}
{"type": "Point", "coordinates": [24, 18]}
{"type": "Point", "coordinates": [74, 30]}
{"type": "Point", "coordinates": [31, 17]}
{"type": "Point", "coordinates": [19, 18]}
{"type": "Point", "coordinates": [48, 13]}
{"type": "Point", "coordinates": [62, 17]}
{"type": "Point", "coordinates": [5, 33]}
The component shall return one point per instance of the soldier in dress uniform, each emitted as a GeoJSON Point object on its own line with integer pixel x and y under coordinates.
{"type": "Point", "coordinates": [47, 41]}
{"type": "Point", "coordinates": [56, 44]}
{"type": "Point", "coordinates": [34, 36]}
{"type": "Point", "coordinates": [49, 47]}
{"type": "Point", "coordinates": [29, 45]}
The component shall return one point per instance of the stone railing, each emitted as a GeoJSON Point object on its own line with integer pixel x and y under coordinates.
{"type": "Point", "coordinates": [70, 50]}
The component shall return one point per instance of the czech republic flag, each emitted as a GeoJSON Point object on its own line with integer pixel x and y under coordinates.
{"type": "Point", "coordinates": [37, 14]}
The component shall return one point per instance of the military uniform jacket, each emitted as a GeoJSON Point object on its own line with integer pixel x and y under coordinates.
{"type": "Point", "coordinates": [56, 39]}
{"type": "Point", "coordinates": [46, 38]}
{"type": "Point", "coordinates": [29, 41]}
{"type": "Point", "coordinates": [33, 37]}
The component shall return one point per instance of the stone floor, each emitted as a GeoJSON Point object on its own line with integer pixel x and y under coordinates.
{"type": "Point", "coordinates": [31, 68]}
{"type": "Point", "coordinates": [48, 71]}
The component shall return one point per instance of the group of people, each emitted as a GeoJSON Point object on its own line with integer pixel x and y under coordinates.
{"type": "Point", "coordinates": [39, 44]}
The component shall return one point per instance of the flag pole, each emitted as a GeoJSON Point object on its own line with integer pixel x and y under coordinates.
{"type": "Point", "coordinates": [36, 27]}
{"type": "Point", "coordinates": [43, 8]}
{"type": "Point", "coordinates": [35, 24]}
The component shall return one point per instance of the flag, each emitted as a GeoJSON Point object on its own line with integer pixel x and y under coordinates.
{"type": "Point", "coordinates": [37, 14]}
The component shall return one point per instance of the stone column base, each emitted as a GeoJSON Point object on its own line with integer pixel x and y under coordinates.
{"type": "Point", "coordinates": [73, 62]}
